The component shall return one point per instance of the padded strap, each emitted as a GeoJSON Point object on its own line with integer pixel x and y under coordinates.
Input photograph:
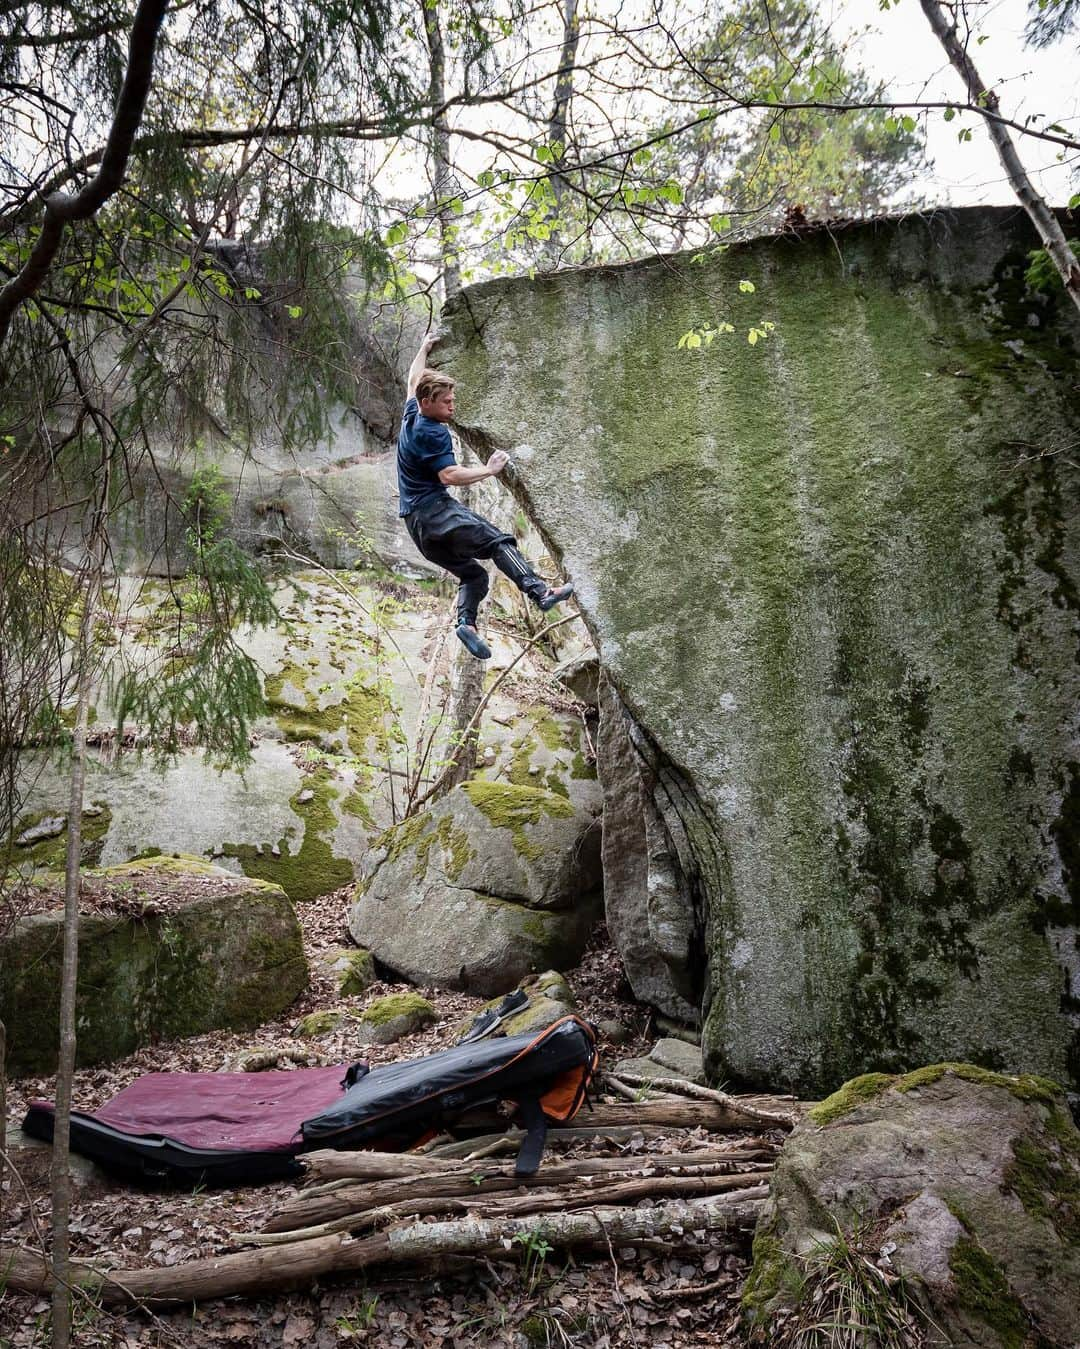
{"type": "Point", "coordinates": [532, 1145]}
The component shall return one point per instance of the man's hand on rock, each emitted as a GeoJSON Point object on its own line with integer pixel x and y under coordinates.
{"type": "Point", "coordinates": [498, 461]}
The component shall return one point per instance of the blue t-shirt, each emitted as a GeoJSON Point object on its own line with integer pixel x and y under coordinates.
{"type": "Point", "coordinates": [424, 447]}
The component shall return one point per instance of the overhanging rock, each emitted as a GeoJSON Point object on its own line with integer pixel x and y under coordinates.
{"type": "Point", "coordinates": [833, 577]}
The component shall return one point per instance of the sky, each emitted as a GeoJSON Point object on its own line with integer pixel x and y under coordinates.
{"type": "Point", "coordinates": [901, 50]}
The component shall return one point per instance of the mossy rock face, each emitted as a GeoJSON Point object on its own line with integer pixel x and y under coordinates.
{"type": "Point", "coordinates": [353, 970]}
{"type": "Point", "coordinates": [231, 960]}
{"type": "Point", "coordinates": [495, 882]}
{"type": "Point", "coordinates": [855, 672]}
{"type": "Point", "coordinates": [971, 1179]}
{"type": "Point", "coordinates": [313, 1025]}
{"type": "Point", "coordinates": [391, 1018]}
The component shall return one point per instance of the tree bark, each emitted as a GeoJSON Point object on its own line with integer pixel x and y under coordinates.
{"type": "Point", "coordinates": [465, 1182]}
{"type": "Point", "coordinates": [559, 121]}
{"type": "Point", "coordinates": [248, 1273]}
{"type": "Point", "coordinates": [1042, 217]}
{"type": "Point", "coordinates": [561, 1199]}
{"type": "Point", "coordinates": [62, 207]}
{"type": "Point", "coordinates": [442, 168]}
{"type": "Point", "coordinates": [332, 1166]}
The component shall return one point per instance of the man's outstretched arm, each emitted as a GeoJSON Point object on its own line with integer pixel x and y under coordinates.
{"type": "Point", "coordinates": [458, 475]}
{"type": "Point", "coordinates": [419, 363]}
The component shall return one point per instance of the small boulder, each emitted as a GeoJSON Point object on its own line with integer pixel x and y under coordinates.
{"type": "Point", "coordinates": [667, 1058]}
{"type": "Point", "coordinates": [491, 884]}
{"type": "Point", "coordinates": [315, 1024]}
{"type": "Point", "coordinates": [391, 1018]}
{"type": "Point", "coordinates": [962, 1182]}
{"type": "Point", "coordinates": [352, 969]}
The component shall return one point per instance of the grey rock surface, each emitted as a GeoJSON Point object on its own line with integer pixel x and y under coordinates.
{"type": "Point", "coordinates": [961, 1181]}
{"type": "Point", "coordinates": [491, 884]}
{"type": "Point", "coordinates": [840, 603]}
{"type": "Point", "coordinates": [681, 1059]}
{"type": "Point", "coordinates": [658, 971]}
{"type": "Point", "coordinates": [392, 1017]}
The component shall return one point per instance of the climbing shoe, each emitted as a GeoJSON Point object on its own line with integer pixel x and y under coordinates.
{"type": "Point", "coordinates": [486, 1022]}
{"type": "Point", "coordinates": [552, 597]}
{"type": "Point", "coordinates": [474, 643]}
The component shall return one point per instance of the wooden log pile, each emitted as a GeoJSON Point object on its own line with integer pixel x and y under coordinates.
{"type": "Point", "coordinates": [368, 1209]}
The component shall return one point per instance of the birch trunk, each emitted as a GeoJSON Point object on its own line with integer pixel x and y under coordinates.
{"type": "Point", "coordinates": [1042, 217]}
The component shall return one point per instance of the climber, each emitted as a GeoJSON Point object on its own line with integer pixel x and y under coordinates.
{"type": "Point", "coordinates": [445, 531]}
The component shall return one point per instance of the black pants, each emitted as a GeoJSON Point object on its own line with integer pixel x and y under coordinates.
{"type": "Point", "coordinates": [454, 537]}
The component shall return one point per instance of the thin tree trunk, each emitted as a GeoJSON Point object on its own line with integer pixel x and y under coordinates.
{"type": "Point", "coordinates": [559, 121]}
{"type": "Point", "coordinates": [61, 1177]}
{"type": "Point", "coordinates": [442, 168]}
{"type": "Point", "coordinates": [1042, 217]}
{"type": "Point", "coordinates": [3, 1118]}
{"type": "Point", "coordinates": [466, 1182]}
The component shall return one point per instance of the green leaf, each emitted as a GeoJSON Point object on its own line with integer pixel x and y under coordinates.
{"type": "Point", "coordinates": [719, 224]}
{"type": "Point", "coordinates": [774, 131]}
{"type": "Point", "coordinates": [295, 310]}
{"type": "Point", "coordinates": [396, 234]}
{"type": "Point", "coordinates": [747, 287]}
{"type": "Point", "coordinates": [908, 123]}
{"type": "Point", "coordinates": [891, 125]}
{"type": "Point", "coordinates": [543, 154]}
{"type": "Point", "coordinates": [949, 114]}
{"type": "Point", "coordinates": [1074, 202]}
{"type": "Point", "coordinates": [965, 134]}
{"type": "Point", "coordinates": [752, 337]}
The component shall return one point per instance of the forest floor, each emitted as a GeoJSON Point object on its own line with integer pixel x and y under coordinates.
{"type": "Point", "coordinates": [664, 1299]}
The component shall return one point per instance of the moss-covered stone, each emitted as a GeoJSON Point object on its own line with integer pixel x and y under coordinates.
{"type": "Point", "coordinates": [318, 1023]}
{"type": "Point", "coordinates": [388, 1019]}
{"type": "Point", "coordinates": [50, 854]}
{"type": "Point", "coordinates": [860, 660]}
{"type": "Point", "coordinates": [231, 961]}
{"type": "Point", "coordinates": [871, 1085]}
{"type": "Point", "coordinates": [514, 808]}
{"type": "Point", "coordinates": [983, 1293]}
{"type": "Point", "coordinates": [1045, 1173]}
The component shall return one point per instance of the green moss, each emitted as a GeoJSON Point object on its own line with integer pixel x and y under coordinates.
{"type": "Point", "coordinates": [359, 973]}
{"type": "Point", "coordinates": [355, 804]}
{"type": "Point", "coordinates": [394, 1005]}
{"type": "Point", "coordinates": [871, 1085]}
{"type": "Point", "coordinates": [580, 769]}
{"type": "Point", "coordinates": [318, 1023]}
{"type": "Point", "coordinates": [514, 808]}
{"type": "Point", "coordinates": [524, 746]}
{"type": "Point", "coordinates": [774, 1275]}
{"type": "Point", "coordinates": [549, 731]}
{"type": "Point", "coordinates": [50, 854]}
{"type": "Point", "coordinates": [852, 1094]}
{"type": "Point", "coordinates": [457, 849]}
{"type": "Point", "coordinates": [1045, 1173]}
{"type": "Point", "coordinates": [314, 869]}
{"type": "Point", "coordinates": [555, 784]}
{"type": "Point", "coordinates": [983, 1292]}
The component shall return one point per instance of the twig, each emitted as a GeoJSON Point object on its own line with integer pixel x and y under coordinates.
{"type": "Point", "coordinates": [681, 1087]}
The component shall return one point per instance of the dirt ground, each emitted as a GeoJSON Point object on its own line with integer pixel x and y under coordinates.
{"type": "Point", "coordinates": [662, 1298]}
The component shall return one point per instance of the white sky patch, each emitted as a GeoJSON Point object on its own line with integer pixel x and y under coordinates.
{"type": "Point", "coordinates": [900, 49]}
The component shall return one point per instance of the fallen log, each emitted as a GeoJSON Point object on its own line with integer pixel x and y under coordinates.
{"type": "Point", "coordinates": [560, 1199]}
{"type": "Point", "coordinates": [307, 1210]}
{"type": "Point", "coordinates": [643, 1116]}
{"type": "Point", "coordinates": [328, 1165]}
{"type": "Point", "coordinates": [681, 1087]}
{"type": "Point", "coordinates": [248, 1273]}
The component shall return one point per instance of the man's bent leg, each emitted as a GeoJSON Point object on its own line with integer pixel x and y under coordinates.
{"type": "Point", "coordinates": [510, 562]}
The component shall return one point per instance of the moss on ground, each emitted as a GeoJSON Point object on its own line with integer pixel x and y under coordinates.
{"type": "Point", "coordinates": [774, 1274]}
{"type": "Point", "coordinates": [394, 1005]}
{"type": "Point", "coordinates": [514, 808]}
{"type": "Point", "coordinates": [869, 1086]}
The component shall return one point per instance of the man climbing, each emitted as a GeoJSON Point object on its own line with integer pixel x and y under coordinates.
{"type": "Point", "coordinates": [445, 531]}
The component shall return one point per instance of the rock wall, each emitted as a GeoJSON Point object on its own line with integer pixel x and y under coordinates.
{"type": "Point", "coordinates": [833, 577]}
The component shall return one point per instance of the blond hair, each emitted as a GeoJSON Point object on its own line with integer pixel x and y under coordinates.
{"type": "Point", "coordinates": [430, 383]}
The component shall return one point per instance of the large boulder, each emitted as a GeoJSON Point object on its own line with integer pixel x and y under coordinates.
{"type": "Point", "coordinates": [492, 883]}
{"type": "Point", "coordinates": [962, 1182]}
{"type": "Point", "coordinates": [173, 947]}
{"type": "Point", "coordinates": [834, 576]}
